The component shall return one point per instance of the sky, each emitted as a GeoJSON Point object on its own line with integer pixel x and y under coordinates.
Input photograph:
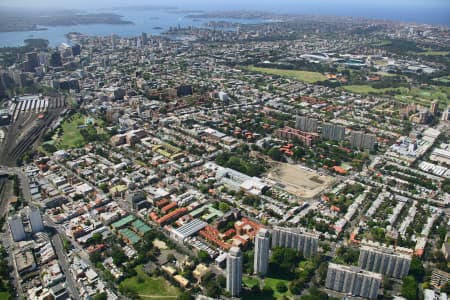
{"type": "Point", "coordinates": [221, 3]}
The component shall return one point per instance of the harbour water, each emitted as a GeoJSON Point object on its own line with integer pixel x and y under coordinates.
{"type": "Point", "coordinates": [150, 21]}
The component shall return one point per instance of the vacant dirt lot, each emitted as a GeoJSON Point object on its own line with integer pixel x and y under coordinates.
{"type": "Point", "coordinates": [299, 181]}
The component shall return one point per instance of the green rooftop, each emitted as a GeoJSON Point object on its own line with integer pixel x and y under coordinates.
{"type": "Point", "coordinates": [209, 209]}
{"type": "Point", "coordinates": [130, 235]}
{"type": "Point", "coordinates": [140, 227]}
{"type": "Point", "coordinates": [123, 222]}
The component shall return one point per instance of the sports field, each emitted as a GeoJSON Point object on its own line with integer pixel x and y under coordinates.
{"type": "Point", "coordinates": [366, 89]}
{"type": "Point", "coordinates": [144, 286]}
{"type": "Point", "coordinates": [434, 53]}
{"type": "Point", "coordinates": [272, 282]}
{"type": "Point", "coordinates": [306, 76]}
{"type": "Point", "coordinates": [422, 96]}
{"type": "Point", "coordinates": [71, 136]}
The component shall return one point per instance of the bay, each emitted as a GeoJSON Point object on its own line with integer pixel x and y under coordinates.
{"type": "Point", "coordinates": [152, 22]}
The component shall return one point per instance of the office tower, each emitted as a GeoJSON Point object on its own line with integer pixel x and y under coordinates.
{"type": "Point", "coordinates": [31, 62]}
{"type": "Point", "coordinates": [113, 41]}
{"type": "Point", "coordinates": [43, 58]}
{"type": "Point", "coordinates": [33, 58]}
{"type": "Point", "coordinates": [333, 132]}
{"type": "Point", "coordinates": [353, 280]}
{"type": "Point", "coordinates": [16, 227]}
{"type": "Point", "coordinates": [306, 124]}
{"type": "Point", "coordinates": [2, 90]}
{"type": "Point", "coordinates": [234, 271]}
{"type": "Point", "coordinates": [423, 116]}
{"type": "Point", "coordinates": [363, 141]}
{"type": "Point", "coordinates": [65, 50]}
{"type": "Point", "coordinates": [55, 59]}
{"type": "Point", "coordinates": [35, 218]}
{"type": "Point", "coordinates": [434, 108]}
{"type": "Point", "coordinates": [262, 240]}
{"type": "Point", "coordinates": [76, 50]}
{"type": "Point", "coordinates": [138, 42]}
{"type": "Point", "coordinates": [385, 260]}
{"type": "Point", "coordinates": [304, 242]}
{"type": "Point", "coordinates": [144, 38]}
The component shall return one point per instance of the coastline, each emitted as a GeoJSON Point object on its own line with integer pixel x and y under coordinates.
{"type": "Point", "coordinates": [21, 23]}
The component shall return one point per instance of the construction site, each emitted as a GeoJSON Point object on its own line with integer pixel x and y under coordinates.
{"type": "Point", "coordinates": [298, 180]}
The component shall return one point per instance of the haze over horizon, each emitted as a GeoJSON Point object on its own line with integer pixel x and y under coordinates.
{"type": "Point", "coordinates": [222, 3]}
{"type": "Point", "coordinates": [420, 11]}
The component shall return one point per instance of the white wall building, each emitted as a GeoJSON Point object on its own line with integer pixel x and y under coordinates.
{"type": "Point", "coordinates": [16, 227]}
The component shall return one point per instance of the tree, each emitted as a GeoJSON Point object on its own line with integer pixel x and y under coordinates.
{"type": "Point", "coordinates": [100, 296]}
{"type": "Point", "coordinates": [252, 200]}
{"type": "Point", "coordinates": [96, 238]}
{"type": "Point", "coordinates": [267, 290]}
{"type": "Point", "coordinates": [283, 262]}
{"type": "Point", "coordinates": [317, 294]}
{"type": "Point", "coordinates": [322, 272]}
{"type": "Point", "coordinates": [296, 286]}
{"type": "Point", "coordinates": [118, 256]}
{"type": "Point", "coordinates": [213, 290]}
{"type": "Point", "coordinates": [203, 256]}
{"type": "Point", "coordinates": [95, 257]}
{"type": "Point", "coordinates": [224, 206]}
{"type": "Point", "coordinates": [185, 296]}
{"type": "Point", "coordinates": [299, 152]}
{"type": "Point", "coordinates": [281, 287]}
{"type": "Point", "coordinates": [50, 148]}
{"type": "Point", "coordinates": [221, 281]}
{"type": "Point", "coordinates": [410, 288]}
{"type": "Point", "coordinates": [126, 291]}
{"type": "Point", "coordinates": [149, 236]}
{"type": "Point", "coordinates": [249, 258]}
{"type": "Point", "coordinates": [416, 269]}
{"type": "Point", "coordinates": [348, 254]}
{"type": "Point", "coordinates": [104, 187]}
{"type": "Point", "coordinates": [276, 154]}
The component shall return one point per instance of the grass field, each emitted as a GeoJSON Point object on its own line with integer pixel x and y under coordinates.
{"type": "Point", "coordinates": [306, 76]}
{"type": "Point", "coordinates": [4, 296]}
{"type": "Point", "coordinates": [444, 79]}
{"type": "Point", "coordinates": [415, 95]}
{"type": "Point", "coordinates": [247, 295]}
{"type": "Point", "coordinates": [71, 136]}
{"type": "Point", "coordinates": [249, 281]}
{"type": "Point", "coordinates": [386, 74]}
{"type": "Point", "coordinates": [366, 89]}
{"type": "Point", "coordinates": [381, 43]}
{"type": "Point", "coordinates": [434, 53]}
{"type": "Point", "coordinates": [272, 282]}
{"type": "Point", "coordinates": [425, 96]}
{"type": "Point", "coordinates": [150, 287]}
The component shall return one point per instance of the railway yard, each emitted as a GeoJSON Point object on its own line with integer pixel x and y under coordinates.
{"type": "Point", "coordinates": [30, 118]}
